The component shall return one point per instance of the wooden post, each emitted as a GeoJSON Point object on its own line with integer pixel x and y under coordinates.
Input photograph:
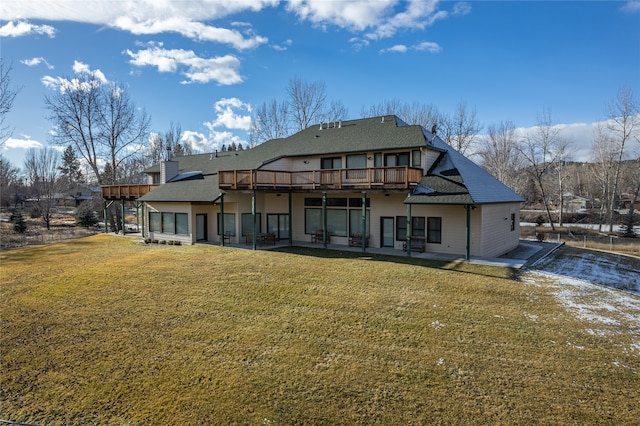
{"type": "Point", "coordinates": [364, 221]}
{"type": "Point", "coordinates": [324, 219]}
{"type": "Point", "coordinates": [409, 230]}
{"type": "Point", "coordinates": [221, 227]}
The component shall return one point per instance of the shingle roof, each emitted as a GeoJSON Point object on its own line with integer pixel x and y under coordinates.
{"type": "Point", "coordinates": [453, 179]}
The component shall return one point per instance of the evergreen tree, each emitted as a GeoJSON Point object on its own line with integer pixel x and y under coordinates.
{"type": "Point", "coordinates": [19, 224]}
{"type": "Point", "coordinates": [70, 168]}
{"type": "Point", "coordinates": [85, 215]}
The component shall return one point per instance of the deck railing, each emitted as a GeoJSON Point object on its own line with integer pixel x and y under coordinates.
{"type": "Point", "coordinates": [365, 178]}
{"type": "Point", "coordinates": [125, 192]}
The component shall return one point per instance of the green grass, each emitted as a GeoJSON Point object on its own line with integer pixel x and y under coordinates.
{"type": "Point", "coordinates": [103, 330]}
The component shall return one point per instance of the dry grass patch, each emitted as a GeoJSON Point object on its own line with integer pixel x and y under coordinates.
{"type": "Point", "coordinates": [108, 331]}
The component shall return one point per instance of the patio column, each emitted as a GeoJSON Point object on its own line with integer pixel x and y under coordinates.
{"type": "Point", "coordinates": [142, 219]}
{"type": "Point", "coordinates": [324, 219]}
{"type": "Point", "coordinates": [221, 220]}
{"type": "Point", "coordinates": [290, 219]}
{"type": "Point", "coordinates": [254, 227]}
{"type": "Point", "coordinates": [364, 221]}
{"type": "Point", "coordinates": [124, 230]}
{"type": "Point", "coordinates": [409, 230]}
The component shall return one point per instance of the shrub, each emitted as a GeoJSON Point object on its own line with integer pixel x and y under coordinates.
{"type": "Point", "coordinates": [85, 215]}
{"type": "Point", "coordinates": [19, 224]}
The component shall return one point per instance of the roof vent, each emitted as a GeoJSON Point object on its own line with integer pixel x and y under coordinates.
{"type": "Point", "coordinates": [382, 119]}
{"type": "Point", "coordinates": [339, 124]}
{"type": "Point", "coordinates": [320, 126]}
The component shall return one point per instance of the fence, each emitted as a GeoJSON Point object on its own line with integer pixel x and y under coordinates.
{"type": "Point", "coordinates": [598, 242]}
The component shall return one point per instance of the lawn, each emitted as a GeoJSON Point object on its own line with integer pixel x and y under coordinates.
{"type": "Point", "coordinates": [104, 330]}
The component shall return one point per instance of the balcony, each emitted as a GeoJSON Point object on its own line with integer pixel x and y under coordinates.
{"type": "Point", "coordinates": [347, 179]}
{"type": "Point", "coordinates": [125, 192]}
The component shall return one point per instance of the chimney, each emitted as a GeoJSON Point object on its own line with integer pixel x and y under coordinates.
{"type": "Point", "coordinates": [168, 170]}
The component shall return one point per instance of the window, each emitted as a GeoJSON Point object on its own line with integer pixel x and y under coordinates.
{"type": "Point", "coordinates": [182, 223]}
{"type": "Point", "coordinates": [331, 163]}
{"type": "Point", "coordinates": [417, 227]}
{"type": "Point", "coordinates": [229, 223]}
{"type": "Point", "coordinates": [247, 223]}
{"type": "Point", "coordinates": [396, 159]}
{"type": "Point", "coordinates": [416, 158]}
{"type": "Point", "coordinates": [434, 230]}
{"type": "Point", "coordinates": [355, 222]}
{"type": "Point", "coordinates": [377, 159]}
{"type": "Point", "coordinates": [337, 222]}
{"type": "Point", "coordinates": [358, 161]}
{"type": "Point", "coordinates": [312, 220]}
{"type": "Point", "coordinates": [513, 221]}
{"type": "Point", "coordinates": [168, 223]}
{"type": "Point", "coordinates": [155, 222]}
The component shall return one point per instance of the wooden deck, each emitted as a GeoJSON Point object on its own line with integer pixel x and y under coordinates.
{"type": "Point", "coordinates": [125, 192]}
{"type": "Point", "coordinates": [347, 179]}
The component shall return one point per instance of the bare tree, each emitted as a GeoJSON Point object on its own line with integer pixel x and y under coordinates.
{"type": "Point", "coordinates": [425, 115]}
{"type": "Point", "coordinates": [99, 120]}
{"type": "Point", "coordinates": [461, 128]}
{"type": "Point", "coordinates": [123, 126]}
{"type": "Point", "coordinates": [9, 181]}
{"type": "Point", "coordinates": [74, 112]}
{"type": "Point", "coordinates": [541, 150]}
{"type": "Point", "coordinates": [603, 153]}
{"type": "Point", "coordinates": [42, 168]}
{"type": "Point", "coordinates": [623, 124]}
{"type": "Point", "coordinates": [501, 157]}
{"type": "Point", "coordinates": [307, 103]}
{"type": "Point", "coordinates": [271, 121]}
{"type": "Point", "coordinates": [7, 96]}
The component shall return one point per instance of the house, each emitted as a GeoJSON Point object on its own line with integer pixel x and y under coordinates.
{"type": "Point", "coordinates": [374, 182]}
{"type": "Point", "coordinates": [575, 204]}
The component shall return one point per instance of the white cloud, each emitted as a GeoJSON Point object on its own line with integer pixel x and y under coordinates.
{"type": "Point", "coordinates": [398, 48]}
{"type": "Point", "coordinates": [229, 114]}
{"type": "Point", "coordinates": [34, 62]}
{"type": "Point", "coordinates": [144, 16]}
{"type": "Point", "coordinates": [25, 143]}
{"type": "Point", "coordinates": [23, 28]}
{"type": "Point", "coordinates": [429, 46]}
{"type": "Point", "coordinates": [232, 118]}
{"type": "Point", "coordinates": [420, 47]}
{"type": "Point", "coordinates": [283, 46]}
{"type": "Point", "coordinates": [79, 68]}
{"type": "Point", "coordinates": [382, 18]}
{"type": "Point", "coordinates": [631, 7]}
{"type": "Point", "coordinates": [462, 8]}
{"type": "Point", "coordinates": [197, 141]}
{"type": "Point", "coordinates": [222, 69]}
{"type": "Point", "coordinates": [190, 29]}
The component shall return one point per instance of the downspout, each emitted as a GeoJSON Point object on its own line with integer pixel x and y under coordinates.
{"type": "Point", "coordinates": [124, 229]}
{"type": "Point", "coordinates": [467, 207]}
{"type": "Point", "coordinates": [253, 215]}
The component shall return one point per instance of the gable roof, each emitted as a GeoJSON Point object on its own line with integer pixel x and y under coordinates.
{"type": "Point", "coordinates": [453, 179]}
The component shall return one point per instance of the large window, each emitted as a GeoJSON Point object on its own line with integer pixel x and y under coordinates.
{"type": "Point", "coordinates": [182, 223]}
{"type": "Point", "coordinates": [247, 223]}
{"type": "Point", "coordinates": [412, 158]}
{"type": "Point", "coordinates": [344, 216]}
{"type": "Point", "coordinates": [155, 222]}
{"type": "Point", "coordinates": [229, 223]}
{"type": "Point", "coordinates": [357, 161]}
{"type": "Point", "coordinates": [417, 227]}
{"type": "Point", "coordinates": [434, 230]}
{"type": "Point", "coordinates": [169, 223]}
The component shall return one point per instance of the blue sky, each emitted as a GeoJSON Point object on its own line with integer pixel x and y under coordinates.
{"type": "Point", "coordinates": [207, 64]}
